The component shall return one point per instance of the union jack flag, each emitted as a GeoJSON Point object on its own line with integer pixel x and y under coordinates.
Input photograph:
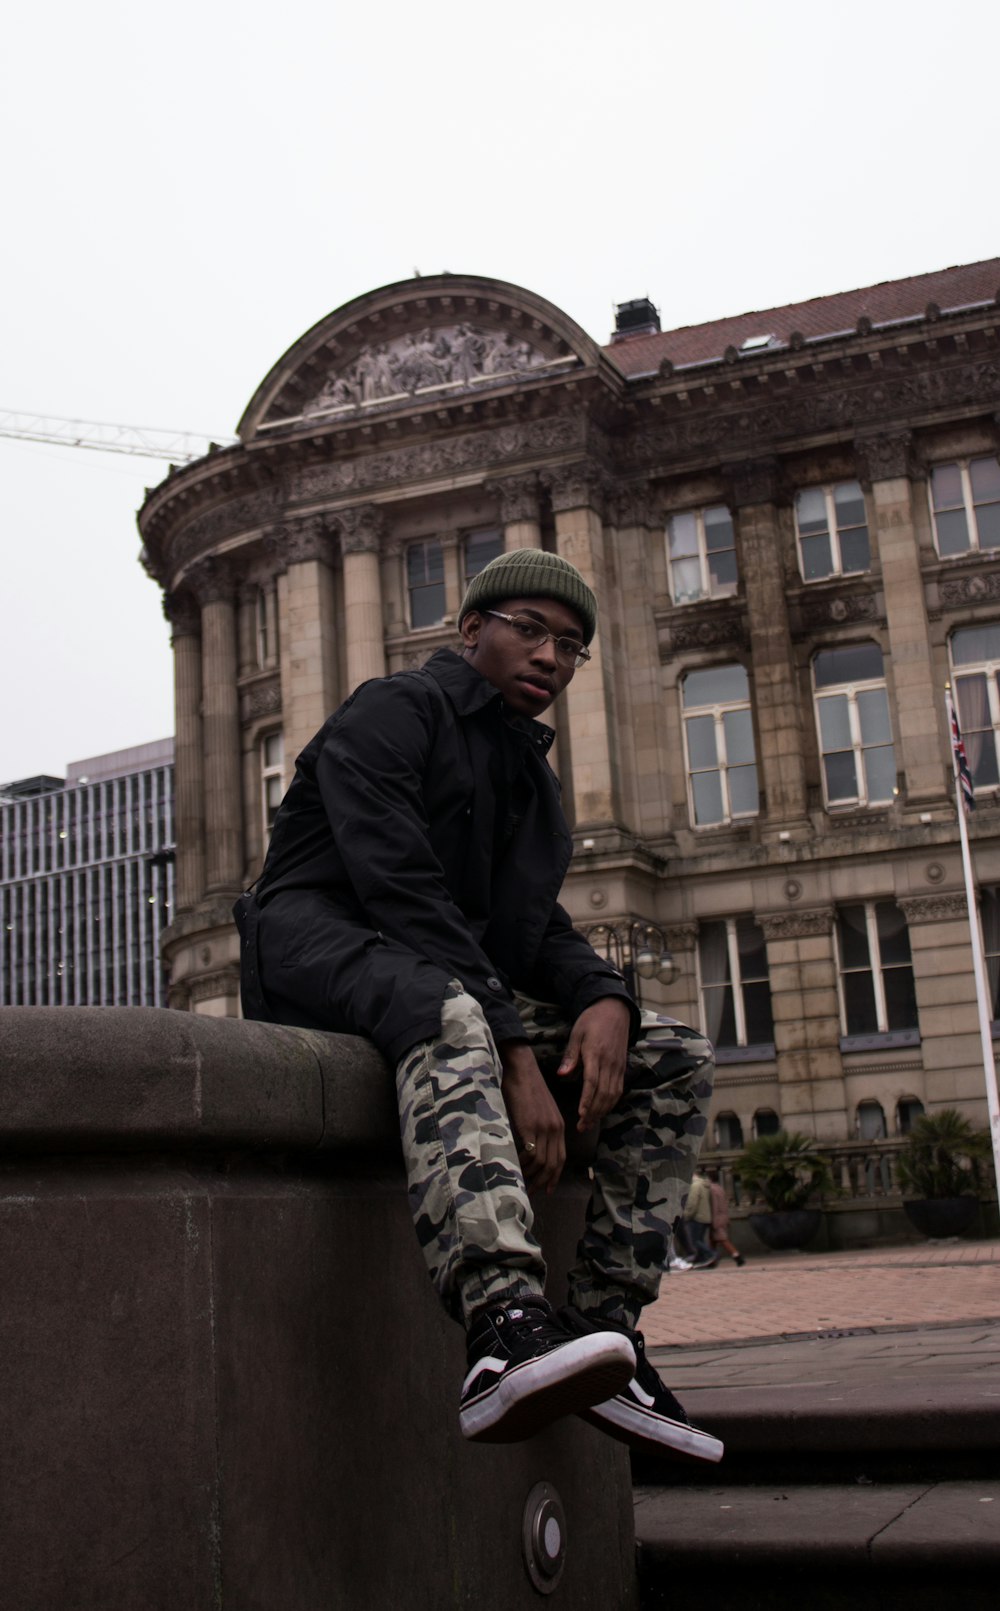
{"type": "Point", "coordinates": [961, 760]}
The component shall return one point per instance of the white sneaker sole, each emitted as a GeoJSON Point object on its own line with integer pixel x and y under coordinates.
{"type": "Point", "coordinates": [649, 1433]}
{"type": "Point", "coordinates": [566, 1381]}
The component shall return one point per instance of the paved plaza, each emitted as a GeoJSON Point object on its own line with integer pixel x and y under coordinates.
{"type": "Point", "coordinates": [781, 1295]}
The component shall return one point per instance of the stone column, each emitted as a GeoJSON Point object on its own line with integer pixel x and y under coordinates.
{"type": "Point", "coordinates": [944, 980]}
{"type": "Point", "coordinates": [360, 531]}
{"type": "Point", "coordinates": [518, 496]}
{"type": "Point", "coordinates": [306, 630]}
{"type": "Point", "coordinates": [220, 728]}
{"type": "Point", "coordinates": [753, 492]}
{"type": "Point", "coordinates": [802, 965]}
{"type": "Point", "coordinates": [885, 465]}
{"type": "Point", "coordinates": [247, 627]}
{"type": "Point", "coordinates": [185, 618]}
{"type": "Point", "coordinates": [589, 700]}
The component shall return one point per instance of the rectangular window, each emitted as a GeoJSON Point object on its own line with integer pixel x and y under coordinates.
{"type": "Point", "coordinates": [832, 529]}
{"type": "Point", "coordinates": [975, 659]}
{"type": "Point", "coordinates": [877, 994]}
{"type": "Point", "coordinates": [425, 583]}
{"type": "Point", "coordinates": [965, 505]}
{"type": "Point", "coordinates": [855, 734]}
{"type": "Point", "coordinates": [989, 920]}
{"type": "Point", "coordinates": [701, 554]}
{"type": "Point", "coordinates": [272, 767]}
{"type": "Point", "coordinates": [718, 738]}
{"type": "Point", "coordinates": [479, 548]}
{"type": "Point", "coordinates": [735, 987]}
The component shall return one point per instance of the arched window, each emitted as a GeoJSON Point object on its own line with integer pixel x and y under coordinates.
{"type": "Point", "coordinates": [766, 1122]}
{"type": "Point", "coordinates": [728, 1132]}
{"type": "Point", "coordinates": [908, 1109]}
{"type": "Point", "coordinates": [871, 1121]}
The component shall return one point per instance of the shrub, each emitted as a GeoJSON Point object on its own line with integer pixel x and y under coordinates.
{"type": "Point", "coordinates": [942, 1156]}
{"type": "Point", "coordinates": [785, 1169]}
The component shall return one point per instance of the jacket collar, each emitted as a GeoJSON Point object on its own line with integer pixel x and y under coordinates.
{"type": "Point", "coordinates": [469, 692]}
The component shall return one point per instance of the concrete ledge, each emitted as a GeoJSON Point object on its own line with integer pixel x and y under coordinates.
{"type": "Point", "coordinates": [225, 1382]}
{"type": "Point", "coordinates": [150, 1076]}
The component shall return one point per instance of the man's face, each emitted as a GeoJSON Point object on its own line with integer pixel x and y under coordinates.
{"type": "Point", "coordinates": [529, 678]}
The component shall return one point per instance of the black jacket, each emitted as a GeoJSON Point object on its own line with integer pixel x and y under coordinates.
{"type": "Point", "coordinates": [421, 840]}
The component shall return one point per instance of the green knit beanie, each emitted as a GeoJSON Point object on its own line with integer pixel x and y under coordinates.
{"type": "Point", "coordinates": [529, 573]}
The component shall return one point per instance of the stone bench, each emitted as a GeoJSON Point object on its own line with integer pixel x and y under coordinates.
{"type": "Point", "coordinates": [226, 1384]}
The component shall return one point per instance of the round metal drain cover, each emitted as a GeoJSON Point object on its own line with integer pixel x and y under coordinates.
{"type": "Point", "coordinates": [543, 1537]}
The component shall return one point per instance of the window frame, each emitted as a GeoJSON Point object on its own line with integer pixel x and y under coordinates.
{"type": "Point", "coordinates": [882, 1035]}
{"type": "Point", "coordinates": [851, 689]}
{"type": "Point", "coordinates": [834, 531]}
{"type": "Point", "coordinates": [969, 505]}
{"type": "Point", "coordinates": [469, 536]}
{"type": "Point", "coordinates": [990, 670]}
{"type": "Point", "coordinates": [718, 710]}
{"type": "Point", "coordinates": [268, 772]}
{"type": "Point", "coordinates": [425, 544]}
{"type": "Point", "coordinates": [744, 1050]}
{"type": "Point", "coordinates": [708, 591]}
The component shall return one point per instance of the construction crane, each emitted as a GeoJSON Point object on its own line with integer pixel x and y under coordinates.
{"type": "Point", "coordinates": [178, 447]}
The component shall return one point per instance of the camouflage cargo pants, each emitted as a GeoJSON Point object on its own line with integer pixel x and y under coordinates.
{"type": "Point", "coordinates": [470, 1207]}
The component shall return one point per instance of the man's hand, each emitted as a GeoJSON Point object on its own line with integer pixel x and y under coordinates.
{"type": "Point", "coordinates": [599, 1040]}
{"type": "Point", "coordinates": [535, 1118]}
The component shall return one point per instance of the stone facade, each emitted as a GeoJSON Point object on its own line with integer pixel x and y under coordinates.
{"type": "Point", "coordinates": [752, 500]}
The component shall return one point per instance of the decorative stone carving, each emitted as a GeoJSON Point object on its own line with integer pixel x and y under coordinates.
{"type": "Point", "coordinates": [933, 908]}
{"type": "Point", "coordinates": [701, 633]}
{"type": "Point", "coordinates": [818, 612]}
{"type": "Point", "coordinates": [518, 496]}
{"type": "Point", "coordinates": [796, 925]}
{"type": "Point", "coordinates": [361, 528]}
{"type": "Point", "coordinates": [633, 507]}
{"type": "Point", "coordinates": [417, 462]}
{"type": "Point", "coordinates": [262, 698]}
{"type": "Point", "coordinates": [212, 581]}
{"type": "Point", "coordinates": [183, 613]}
{"type": "Point", "coordinates": [884, 456]}
{"type": "Point", "coordinates": [805, 412]}
{"type": "Point", "coordinates": [681, 936]}
{"type": "Point", "coordinates": [753, 481]}
{"type": "Point", "coordinates": [461, 357]}
{"type": "Point", "coordinates": [576, 486]}
{"type": "Point", "coordinates": [302, 538]}
{"type": "Point", "coordinates": [973, 587]}
{"type": "Point", "coordinates": [247, 513]}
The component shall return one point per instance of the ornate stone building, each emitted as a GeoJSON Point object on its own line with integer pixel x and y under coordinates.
{"type": "Point", "coordinates": [792, 521]}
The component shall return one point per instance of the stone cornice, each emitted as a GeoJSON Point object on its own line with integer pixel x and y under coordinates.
{"type": "Point", "coordinates": [183, 613]}
{"type": "Point", "coordinates": [796, 925]}
{"type": "Point", "coordinates": [706, 430]}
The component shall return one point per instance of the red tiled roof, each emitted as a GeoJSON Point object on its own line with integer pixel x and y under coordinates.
{"type": "Point", "coordinates": [821, 316]}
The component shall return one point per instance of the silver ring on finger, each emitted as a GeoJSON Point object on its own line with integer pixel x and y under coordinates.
{"type": "Point", "coordinates": [530, 1148]}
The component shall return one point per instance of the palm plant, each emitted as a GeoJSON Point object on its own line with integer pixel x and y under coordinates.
{"type": "Point", "coordinates": [942, 1156]}
{"type": "Point", "coordinates": [785, 1169]}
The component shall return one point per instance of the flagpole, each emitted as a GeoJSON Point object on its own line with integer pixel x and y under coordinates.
{"type": "Point", "coordinates": [983, 999]}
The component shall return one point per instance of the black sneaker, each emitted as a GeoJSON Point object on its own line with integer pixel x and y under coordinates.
{"type": "Point", "coordinates": [526, 1370]}
{"type": "Point", "coordinates": [643, 1414]}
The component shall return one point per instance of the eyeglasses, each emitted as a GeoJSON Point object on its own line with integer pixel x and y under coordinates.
{"type": "Point", "coordinates": [533, 634]}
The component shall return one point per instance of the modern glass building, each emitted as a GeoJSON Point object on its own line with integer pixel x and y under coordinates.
{"type": "Point", "coordinates": [87, 882]}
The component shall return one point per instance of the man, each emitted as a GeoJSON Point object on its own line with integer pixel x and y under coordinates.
{"type": "Point", "coordinates": [698, 1221]}
{"type": "Point", "coordinates": [410, 894]}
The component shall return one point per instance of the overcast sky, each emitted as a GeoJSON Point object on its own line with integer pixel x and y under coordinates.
{"type": "Point", "coordinates": [188, 187]}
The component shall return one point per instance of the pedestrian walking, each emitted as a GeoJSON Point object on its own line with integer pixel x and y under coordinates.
{"type": "Point", "coordinates": [720, 1219]}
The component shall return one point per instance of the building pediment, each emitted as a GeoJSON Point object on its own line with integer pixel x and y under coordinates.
{"type": "Point", "coordinates": [422, 340]}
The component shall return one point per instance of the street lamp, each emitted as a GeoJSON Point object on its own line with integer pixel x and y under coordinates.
{"type": "Point", "coordinates": [638, 950]}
